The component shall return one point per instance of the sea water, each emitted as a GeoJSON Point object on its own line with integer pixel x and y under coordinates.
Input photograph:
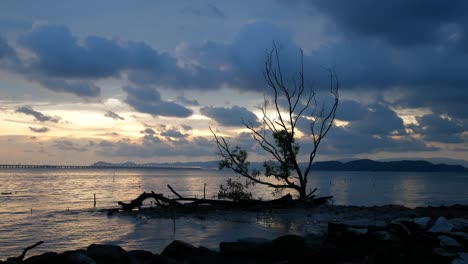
{"type": "Point", "coordinates": [58, 205]}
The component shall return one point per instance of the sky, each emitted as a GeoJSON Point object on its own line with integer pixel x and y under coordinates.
{"type": "Point", "coordinates": [144, 81]}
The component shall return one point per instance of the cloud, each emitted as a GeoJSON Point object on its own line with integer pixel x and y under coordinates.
{"type": "Point", "coordinates": [113, 115]}
{"type": "Point", "coordinates": [40, 129]}
{"type": "Point", "coordinates": [233, 116]}
{"type": "Point", "coordinates": [423, 72]}
{"type": "Point", "coordinates": [5, 49]}
{"type": "Point", "coordinates": [439, 129]}
{"type": "Point", "coordinates": [399, 22]}
{"type": "Point", "coordinates": [207, 10]}
{"type": "Point", "coordinates": [374, 128]}
{"type": "Point", "coordinates": [347, 142]}
{"type": "Point", "coordinates": [37, 115]}
{"type": "Point", "coordinates": [150, 146]}
{"type": "Point", "coordinates": [186, 127]}
{"type": "Point", "coordinates": [173, 133]}
{"type": "Point", "coordinates": [350, 111]}
{"type": "Point", "coordinates": [148, 131]}
{"type": "Point", "coordinates": [68, 146]}
{"type": "Point", "coordinates": [60, 54]}
{"type": "Point", "coordinates": [79, 88]}
{"type": "Point", "coordinates": [148, 100]}
{"type": "Point", "coordinates": [185, 101]}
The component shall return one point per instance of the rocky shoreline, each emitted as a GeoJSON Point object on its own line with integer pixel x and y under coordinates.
{"type": "Point", "coordinates": [399, 235]}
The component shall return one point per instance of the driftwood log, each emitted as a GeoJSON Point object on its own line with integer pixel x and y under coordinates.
{"type": "Point", "coordinates": [20, 258]}
{"type": "Point", "coordinates": [185, 202]}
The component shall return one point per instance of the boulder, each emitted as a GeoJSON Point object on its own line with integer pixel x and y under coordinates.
{"type": "Point", "coordinates": [446, 253]}
{"type": "Point", "coordinates": [442, 225]}
{"type": "Point", "coordinates": [180, 250]}
{"type": "Point", "coordinates": [159, 259]}
{"type": "Point", "coordinates": [401, 229]}
{"type": "Point", "coordinates": [446, 241]}
{"type": "Point", "coordinates": [357, 231]}
{"type": "Point", "coordinates": [254, 248]}
{"type": "Point", "coordinates": [422, 222]}
{"type": "Point", "coordinates": [385, 235]}
{"type": "Point", "coordinates": [289, 247]}
{"type": "Point", "coordinates": [140, 257]}
{"type": "Point", "coordinates": [48, 257]}
{"type": "Point", "coordinates": [460, 224]}
{"type": "Point", "coordinates": [75, 257]}
{"type": "Point", "coordinates": [107, 254]}
{"type": "Point", "coordinates": [462, 259]}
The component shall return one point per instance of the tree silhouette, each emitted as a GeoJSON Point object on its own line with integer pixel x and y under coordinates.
{"type": "Point", "coordinates": [278, 131]}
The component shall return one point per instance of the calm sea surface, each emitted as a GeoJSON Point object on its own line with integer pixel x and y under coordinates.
{"type": "Point", "coordinates": [57, 206]}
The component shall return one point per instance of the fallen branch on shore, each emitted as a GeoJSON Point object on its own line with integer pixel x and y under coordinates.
{"type": "Point", "coordinates": [186, 202]}
{"type": "Point", "coordinates": [20, 258]}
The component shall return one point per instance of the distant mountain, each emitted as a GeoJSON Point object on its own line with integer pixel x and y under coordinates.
{"type": "Point", "coordinates": [371, 165]}
{"type": "Point", "coordinates": [436, 160]}
{"type": "Point", "coordinates": [354, 165]}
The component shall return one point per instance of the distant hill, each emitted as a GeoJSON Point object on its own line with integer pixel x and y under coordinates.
{"type": "Point", "coordinates": [354, 165]}
{"type": "Point", "coordinates": [371, 165]}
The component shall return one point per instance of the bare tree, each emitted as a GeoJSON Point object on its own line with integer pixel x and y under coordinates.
{"type": "Point", "coordinates": [292, 101]}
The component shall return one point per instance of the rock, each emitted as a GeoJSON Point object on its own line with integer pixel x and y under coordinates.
{"type": "Point", "coordinates": [446, 241]}
{"type": "Point", "coordinates": [75, 257]}
{"type": "Point", "coordinates": [422, 222]}
{"type": "Point", "coordinates": [363, 223]}
{"type": "Point", "coordinates": [140, 257]}
{"type": "Point", "coordinates": [385, 236]}
{"type": "Point", "coordinates": [246, 248]}
{"type": "Point", "coordinates": [463, 256]}
{"type": "Point", "coordinates": [459, 235]}
{"type": "Point", "coordinates": [400, 229]}
{"type": "Point", "coordinates": [159, 259]}
{"type": "Point", "coordinates": [180, 250]}
{"type": "Point", "coordinates": [289, 247]}
{"type": "Point", "coordinates": [446, 253]}
{"type": "Point", "coordinates": [104, 254]}
{"type": "Point", "coordinates": [442, 225]}
{"type": "Point", "coordinates": [357, 231]}
{"type": "Point", "coordinates": [460, 224]}
{"type": "Point", "coordinates": [313, 240]}
{"type": "Point", "coordinates": [48, 257]}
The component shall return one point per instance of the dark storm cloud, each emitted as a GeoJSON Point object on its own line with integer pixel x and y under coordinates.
{"type": "Point", "coordinates": [372, 129]}
{"type": "Point", "coordinates": [37, 115]}
{"type": "Point", "coordinates": [186, 127]}
{"type": "Point", "coordinates": [417, 75]}
{"type": "Point", "coordinates": [79, 88]}
{"type": "Point", "coordinates": [240, 63]}
{"type": "Point", "coordinates": [60, 54]}
{"type": "Point", "coordinates": [68, 146]}
{"type": "Point", "coordinates": [11, 25]}
{"type": "Point", "coordinates": [207, 10]}
{"type": "Point", "coordinates": [148, 131]}
{"type": "Point", "coordinates": [346, 141]}
{"type": "Point", "coordinates": [151, 146]}
{"type": "Point", "coordinates": [173, 133]}
{"type": "Point", "coordinates": [436, 128]}
{"type": "Point", "coordinates": [350, 111]}
{"type": "Point", "coordinates": [113, 115]}
{"type": "Point", "coordinates": [233, 116]}
{"type": "Point", "coordinates": [5, 49]}
{"type": "Point", "coordinates": [399, 22]}
{"type": "Point", "coordinates": [148, 100]}
{"type": "Point", "coordinates": [39, 129]}
{"type": "Point", "coordinates": [183, 100]}
{"type": "Point", "coordinates": [379, 120]}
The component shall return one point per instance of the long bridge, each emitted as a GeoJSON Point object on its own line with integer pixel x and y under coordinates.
{"type": "Point", "coordinates": [136, 166]}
